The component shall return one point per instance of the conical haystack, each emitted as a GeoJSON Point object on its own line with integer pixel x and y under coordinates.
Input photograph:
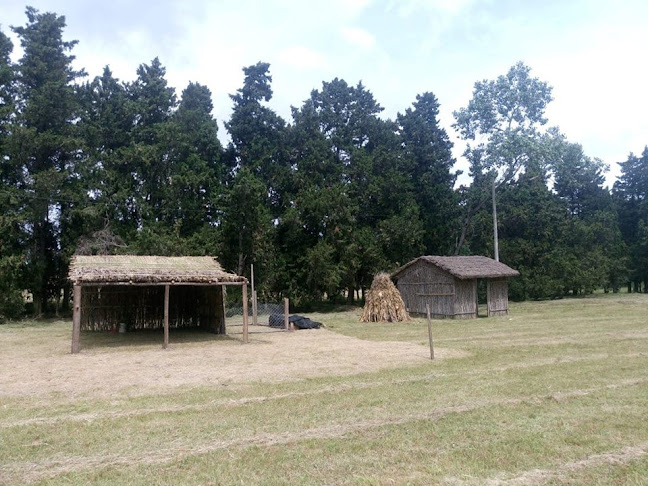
{"type": "Point", "coordinates": [384, 302]}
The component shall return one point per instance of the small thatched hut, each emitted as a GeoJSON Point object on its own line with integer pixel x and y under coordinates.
{"type": "Point", "coordinates": [384, 302]}
{"type": "Point", "coordinates": [145, 292]}
{"type": "Point", "coordinates": [448, 285]}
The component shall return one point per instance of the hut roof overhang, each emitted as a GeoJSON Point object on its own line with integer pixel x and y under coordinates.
{"type": "Point", "coordinates": [151, 270]}
{"type": "Point", "coordinates": [465, 267]}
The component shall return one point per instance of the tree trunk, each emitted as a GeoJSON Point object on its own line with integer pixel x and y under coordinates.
{"type": "Point", "coordinates": [66, 298]}
{"type": "Point", "coordinates": [350, 295]}
{"type": "Point", "coordinates": [241, 257]}
{"type": "Point", "coordinates": [38, 304]}
{"type": "Point", "coordinates": [39, 259]}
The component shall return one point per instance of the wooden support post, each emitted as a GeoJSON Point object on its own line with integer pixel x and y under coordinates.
{"type": "Point", "coordinates": [245, 313]}
{"type": "Point", "coordinates": [254, 296]}
{"type": "Point", "coordinates": [286, 312]}
{"type": "Point", "coordinates": [166, 317]}
{"type": "Point", "coordinates": [429, 322]}
{"type": "Point", "coordinates": [76, 319]}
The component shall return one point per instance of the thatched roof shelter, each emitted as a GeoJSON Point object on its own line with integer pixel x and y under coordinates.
{"type": "Point", "coordinates": [447, 285]}
{"type": "Point", "coordinates": [135, 292]}
{"type": "Point", "coordinates": [127, 269]}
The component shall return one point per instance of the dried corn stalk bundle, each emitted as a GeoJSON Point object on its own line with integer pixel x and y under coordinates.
{"type": "Point", "coordinates": [384, 302]}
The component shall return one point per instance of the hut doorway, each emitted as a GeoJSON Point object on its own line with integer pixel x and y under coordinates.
{"type": "Point", "coordinates": [482, 297]}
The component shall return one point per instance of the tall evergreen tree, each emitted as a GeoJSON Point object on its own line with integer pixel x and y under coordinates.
{"type": "Point", "coordinates": [258, 171]}
{"type": "Point", "coordinates": [430, 150]}
{"type": "Point", "coordinates": [533, 225]}
{"type": "Point", "coordinates": [198, 172]}
{"type": "Point", "coordinates": [106, 123]}
{"type": "Point", "coordinates": [348, 118]}
{"type": "Point", "coordinates": [258, 134]}
{"type": "Point", "coordinates": [45, 145]}
{"type": "Point", "coordinates": [593, 234]}
{"type": "Point", "coordinates": [630, 193]}
{"type": "Point", "coordinates": [11, 204]}
{"type": "Point", "coordinates": [153, 104]}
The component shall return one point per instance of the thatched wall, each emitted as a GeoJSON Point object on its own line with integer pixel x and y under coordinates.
{"type": "Point", "coordinates": [142, 307]}
{"type": "Point", "coordinates": [497, 297]}
{"type": "Point", "coordinates": [465, 299]}
{"type": "Point", "coordinates": [423, 284]}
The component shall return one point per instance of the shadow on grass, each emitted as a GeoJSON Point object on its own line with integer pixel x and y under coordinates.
{"type": "Point", "coordinates": [148, 337]}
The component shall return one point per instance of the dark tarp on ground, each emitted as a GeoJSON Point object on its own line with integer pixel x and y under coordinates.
{"type": "Point", "coordinates": [300, 322]}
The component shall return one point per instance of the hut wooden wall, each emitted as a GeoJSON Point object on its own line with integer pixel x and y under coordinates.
{"type": "Point", "coordinates": [142, 307]}
{"type": "Point", "coordinates": [497, 293]}
{"type": "Point", "coordinates": [211, 310]}
{"type": "Point", "coordinates": [465, 299]}
{"type": "Point", "coordinates": [424, 283]}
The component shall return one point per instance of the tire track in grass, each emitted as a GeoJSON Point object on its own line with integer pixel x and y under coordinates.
{"type": "Point", "coordinates": [536, 477]}
{"type": "Point", "coordinates": [531, 341]}
{"type": "Point", "coordinates": [534, 335]}
{"type": "Point", "coordinates": [29, 472]}
{"type": "Point", "coordinates": [91, 417]}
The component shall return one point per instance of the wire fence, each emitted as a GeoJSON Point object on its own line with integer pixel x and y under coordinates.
{"type": "Point", "coordinates": [268, 314]}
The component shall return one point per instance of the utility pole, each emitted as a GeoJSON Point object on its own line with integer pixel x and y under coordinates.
{"type": "Point", "coordinates": [496, 245]}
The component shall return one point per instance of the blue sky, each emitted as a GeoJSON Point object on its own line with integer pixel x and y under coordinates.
{"type": "Point", "coordinates": [592, 52]}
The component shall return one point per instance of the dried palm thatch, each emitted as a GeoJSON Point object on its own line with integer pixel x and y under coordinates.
{"type": "Point", "coordinates": [465, 267]}
{"type": "Point", "coordinates": [384, 302]}
{"type": "Point", "coordinates": [116, 269]}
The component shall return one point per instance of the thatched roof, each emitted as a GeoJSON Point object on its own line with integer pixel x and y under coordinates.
{"type": "Point", "coordinates": [465, 267]}
{"type": "Point", "coordinates": [148, 269]}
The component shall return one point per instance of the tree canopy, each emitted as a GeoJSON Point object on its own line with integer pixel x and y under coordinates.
{"type": "Point", "coordinates": [319, 203]}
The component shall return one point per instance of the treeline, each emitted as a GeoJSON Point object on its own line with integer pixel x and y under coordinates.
{"type": "Point", "coordinates": [318, 204]}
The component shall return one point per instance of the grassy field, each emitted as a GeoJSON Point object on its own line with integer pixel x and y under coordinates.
{"type": "Point", "coordinates": [557, 393]}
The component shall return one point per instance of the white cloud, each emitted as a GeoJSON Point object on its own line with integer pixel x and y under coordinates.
{"type": "Point", "coordinates": [596, 85]}
{"type": "Point", "coordinates": [358, 37]}
{"type": "Point", "coordinates": [301, 57]}
{"type": "Point", "coordinates": [352, 7]}
{"type": "Point", "coordinates": [406, 8]}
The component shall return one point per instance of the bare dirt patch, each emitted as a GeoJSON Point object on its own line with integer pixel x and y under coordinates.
{"type": "Point", "coordinates": [46, 365]}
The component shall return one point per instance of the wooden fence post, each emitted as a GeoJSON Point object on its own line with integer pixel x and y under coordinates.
{"type": "Point", "coordinates": [166, 317]}
{"type": "Point", "coordinates": [429, 323]}
{"type": "Point", "coordinates": [255, 309]}
{"type": "Point", "coordinates": [286, 312]}
{"type": "Point", "coordinates": [254, 296]}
